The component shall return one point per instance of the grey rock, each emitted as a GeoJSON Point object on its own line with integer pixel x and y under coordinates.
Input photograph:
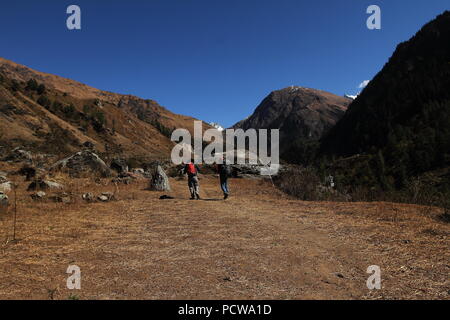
{"type": "Point", "coordinates": [62, 197]}
{"type": "Point", "coordinates": [38, 195]}
{"type": "Point", "coordinates": [88, 197]}
{"type": "Point", "coordinates": [138, 171]}
{"type": "Point", "coordinates": [41, 184]}
{"type": "Point", "coordinates": [103, 198]}
{"type": "Point", "coordinates": [6, 187]}
{"type": "Point", "coordinates": [106, 196]}
{"type": "Point", "coordinates": [81, 163]}
{"type": "Point", "coordinates": [159, 180]}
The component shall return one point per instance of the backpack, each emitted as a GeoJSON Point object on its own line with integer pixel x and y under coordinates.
{"type": "Point", "coordinates": [191, 169]}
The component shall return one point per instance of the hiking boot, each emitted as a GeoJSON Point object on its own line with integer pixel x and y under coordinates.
{"type": "Point", "coordinates": [225, 196]}
{"type": "Point", "coordinates": [198, 198]}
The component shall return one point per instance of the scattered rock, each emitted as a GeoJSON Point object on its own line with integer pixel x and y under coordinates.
{"type": "Point", "coordinates": [159, 180]}
{"type": "Point", "coordinates": [38, 195]}
{"type": "Point", "coordinates": [103, 198]}
{"type": "Point", "coordinates": [88, 197]}
{"type": "Point", "coordinates": [127, 177]}
{"type": "Point", "coordinates": [6, 187]}
{"type": "Point", "coordinates": [125, 180]}
{"type": "Point", "coordinates": [41, 184]}
{"type": "Point", "coordinates": [83, 162]}
{"type": "Point", "coordinates": [139, 171]}
{"type": "Point", "coordinates": [106, 196]}
{"type": "Point", "coordinates": [62, 197]}
{"type": "Point", "coordinates": [339, 275]}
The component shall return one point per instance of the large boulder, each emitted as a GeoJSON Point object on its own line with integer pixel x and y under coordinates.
{"type": "Point", "coordinates": [41, 184]}
{"type": "Point", "coordinates": [81, 163]}
{"type": "Point", "coordinates": [159, 180]}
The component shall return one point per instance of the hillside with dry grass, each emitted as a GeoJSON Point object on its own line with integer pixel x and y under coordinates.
{"type": "Point", "coordinates": [48, 113]}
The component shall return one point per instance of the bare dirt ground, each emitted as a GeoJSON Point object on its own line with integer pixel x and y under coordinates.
{"type": "Point", "coordinates": [259, 244]}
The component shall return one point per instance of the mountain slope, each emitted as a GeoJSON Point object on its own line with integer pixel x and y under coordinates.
{"type": "Point", "coordinates": [402, 117]}
{"type": "Point", "coordinates": [53, 114]}
{"type": "Point", "coordinates": [303, 115]}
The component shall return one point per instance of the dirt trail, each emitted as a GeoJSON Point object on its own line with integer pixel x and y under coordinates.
{"type": "Point", "coordinates": [259, 244]}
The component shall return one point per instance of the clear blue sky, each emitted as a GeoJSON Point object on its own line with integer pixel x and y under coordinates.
{"type": "Point", "coordinates": [215, 60]}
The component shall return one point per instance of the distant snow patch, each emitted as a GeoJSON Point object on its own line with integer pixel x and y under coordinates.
{"type": "Point", "coordinates": [353, 97]}
{"type": "Point", "coordinates": [363, 84]}
{"type": "Point", "coordinates": [217, 126]}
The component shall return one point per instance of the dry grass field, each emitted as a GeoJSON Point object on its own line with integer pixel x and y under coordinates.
{"type": "Point", "coordinates": [259, 244]}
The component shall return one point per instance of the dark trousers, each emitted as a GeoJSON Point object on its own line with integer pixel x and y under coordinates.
{"type": "Point", "coordinates": [193, 186]}
{"type": "Point", "coordinates": [224, 184]}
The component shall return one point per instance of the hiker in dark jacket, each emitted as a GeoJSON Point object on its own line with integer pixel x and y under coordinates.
{"type": "Point", "coordinates": [224, 171]}
{"type": "Point", "coordinates": [192, 171]}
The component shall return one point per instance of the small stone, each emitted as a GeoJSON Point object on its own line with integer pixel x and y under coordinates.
{"type": "Point", "coordinates": [38, 195]}
{"type": "Point", "coordinates": [88, 196]}
{"type": "Point", "coordinates": [106, 196]}
{"type": "Point", "coordinates": [103, 198]}
{"type": "Point", "coordinates": [6, 187]}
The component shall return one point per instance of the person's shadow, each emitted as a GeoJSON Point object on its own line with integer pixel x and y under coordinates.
{"type": "Point", "coordinates": [212, 199]}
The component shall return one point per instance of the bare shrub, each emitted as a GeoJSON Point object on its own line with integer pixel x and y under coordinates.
{"type": "Point", "coordinates": [302, 183]}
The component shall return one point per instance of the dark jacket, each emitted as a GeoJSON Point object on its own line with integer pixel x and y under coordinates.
{"type": "Point", "coordinates": [223, 170]}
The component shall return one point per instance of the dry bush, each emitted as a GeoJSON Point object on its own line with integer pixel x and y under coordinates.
{"type": "Point", "coordinates": [302, 183]}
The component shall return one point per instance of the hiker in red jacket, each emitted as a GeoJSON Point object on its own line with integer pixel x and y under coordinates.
{"type": "Point", "coordinates": [192, 171]}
